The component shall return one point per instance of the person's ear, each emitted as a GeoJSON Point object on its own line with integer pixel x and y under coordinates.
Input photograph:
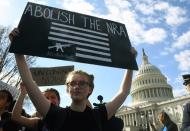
{"type": "Point", "coordinates": [90, 91]}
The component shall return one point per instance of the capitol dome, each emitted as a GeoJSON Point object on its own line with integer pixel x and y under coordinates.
{"type": "Point", "coordinates": [149, 85]}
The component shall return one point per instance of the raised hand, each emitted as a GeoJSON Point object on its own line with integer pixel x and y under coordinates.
{"type": "Point", "coordinates": [14, 33]}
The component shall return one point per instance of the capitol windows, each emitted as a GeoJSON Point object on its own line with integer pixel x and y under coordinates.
{"type": "Point", "coordinates": [148, 95]}
{"type": "Point", "coordinates": [155, 92]}
{"type": "Point", "coordinates": [144, 94]}
{"type": "Point", "coordinates": [158, 92]}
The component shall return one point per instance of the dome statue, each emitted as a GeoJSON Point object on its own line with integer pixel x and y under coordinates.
{"type": "Point", "coordinates": [149, 85]}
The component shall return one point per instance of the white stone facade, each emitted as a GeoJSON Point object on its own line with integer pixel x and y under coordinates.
{"type": "Point", "coordinates": [151, 94]}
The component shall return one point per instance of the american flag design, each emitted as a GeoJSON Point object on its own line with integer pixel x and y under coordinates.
{"type": "Point", "coordinates": [87, 44]}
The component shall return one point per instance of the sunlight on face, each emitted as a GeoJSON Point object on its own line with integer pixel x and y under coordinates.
{"type": "Point", "coordinates": [78, 87]}
{"type": "Point", "coordinates": [188, 88]}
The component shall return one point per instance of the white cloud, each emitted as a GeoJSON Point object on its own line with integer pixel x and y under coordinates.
{"type": "Point", "coordinates": [43, 2]}
{"type": "Point", "coordinates": [119, 11]}
{"type": "Point", "coordinates": [182, 41]}
{"type": "Point", "coordinates": [4, 7]}
{"type": "Point", "coordinates": [184, 60]}
{"type": "Point", "coordinates": [10, 12]}
{"type": "Point", "coordinates": [154, 35]}
{"type": "Point", "coordinates": [161, 6]}
{"type": "Point", "coordinates": [164, 53]}
{"type": "Point", "coordinates": [167, 50]}
{"type": "Point", "coordinates": [179, 91]}
{"type": "Point", "coordinates": [175, 16]}
{"type": "Point", "coordinates": [80, 6]}
{"type": "Point", "coordinates": [146, 9]}
{"type": "Point", "coordinates": [161, 66]}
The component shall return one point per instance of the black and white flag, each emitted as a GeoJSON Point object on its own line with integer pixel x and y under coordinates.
{"type": "Point", "coordinates": [83, 43]}
{"type": "Point", "coordinates": [60, 34]}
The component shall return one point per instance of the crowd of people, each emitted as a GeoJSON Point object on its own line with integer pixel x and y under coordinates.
{"type": "Point", "coordinates": [79, 115]}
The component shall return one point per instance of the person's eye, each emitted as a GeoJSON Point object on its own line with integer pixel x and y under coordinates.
{"type": "Point", "coordinates": [73, 83]}
{"type": "Point", "coordinates": [83, 83]}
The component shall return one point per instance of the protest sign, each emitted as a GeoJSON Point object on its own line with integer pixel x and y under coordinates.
{"type": "Point", "coordinates": [49, 76]}
{"type": "Point", "coordinates": [55, 33]}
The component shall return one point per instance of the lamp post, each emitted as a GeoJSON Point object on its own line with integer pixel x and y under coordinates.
{"type": "Point", "coordinates": [100, 98]}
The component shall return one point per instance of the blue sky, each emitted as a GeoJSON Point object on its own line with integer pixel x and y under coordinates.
{"type": "Point", "coordinates": [161, 27]}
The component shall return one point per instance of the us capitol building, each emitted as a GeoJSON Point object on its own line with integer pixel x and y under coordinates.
{"type": "Point", "coordinates": [150, 94]}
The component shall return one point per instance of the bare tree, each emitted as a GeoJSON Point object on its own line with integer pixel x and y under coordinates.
{"type": "Point", "coordinates": [8, 68]}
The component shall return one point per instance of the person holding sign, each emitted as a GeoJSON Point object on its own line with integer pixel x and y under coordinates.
{"type": "Point", "coordinates": [78, 116]}
{"type": "Point", "coordinates": [34, 123]}
{"type": "Point", "coordinates": [6, 123]}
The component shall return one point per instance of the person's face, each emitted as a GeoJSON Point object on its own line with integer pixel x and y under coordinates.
{"type": "Point", "coordinates": [3, 101]}
{"type": "Point", "coordinates": [51, 96]}
{"type": "Point", "coordinates": [188, 87]}
{"type": "Point", "coordinates": [78, 87]}
{"type": "Point", "coordinates": [160, 118]}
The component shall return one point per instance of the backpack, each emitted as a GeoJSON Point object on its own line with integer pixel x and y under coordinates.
{"type": "Point", "coordinates": [113, 124]}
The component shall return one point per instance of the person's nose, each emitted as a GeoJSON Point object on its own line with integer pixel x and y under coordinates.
{"type": "Point", "coordinates": [76, 86]}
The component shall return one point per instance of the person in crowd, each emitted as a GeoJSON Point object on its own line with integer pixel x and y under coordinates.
{"type": "Point", "coordinates": [186, 111]}
{"type": "Point", "coordinates": [78, 116]}
{"type": "Point", "coordinates": [168, 124]}
{"type": "Point", "coordinates": [53, 96]}
{"type": "Point", "coordinates": [6, 124]}
{"type": "Point", "coordinates": [36, 122]}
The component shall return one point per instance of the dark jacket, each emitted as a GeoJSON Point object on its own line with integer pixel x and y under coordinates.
{"type": "Point", "coordinates": [186, 118]}
{"type": "Point", "coordinates": [170, 125]}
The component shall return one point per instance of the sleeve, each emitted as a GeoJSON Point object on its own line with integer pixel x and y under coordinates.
{"type": "Point", "coordinates": [186, 118]}
{"type": "Point", "coordinates": [54, 116]}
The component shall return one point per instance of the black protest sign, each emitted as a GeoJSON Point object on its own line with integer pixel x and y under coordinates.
{"type": "Point", "coordinates": [49, 76]}
{"type": "Point", "coordinates": [60, 34]}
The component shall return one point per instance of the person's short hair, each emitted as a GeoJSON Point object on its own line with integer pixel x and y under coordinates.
{"type": "Point", "coordinates": [9, 95]}
{"type": "Point", "coordinates": [186, 78]}
{"type": "Point", "coordinates": [53, 90]}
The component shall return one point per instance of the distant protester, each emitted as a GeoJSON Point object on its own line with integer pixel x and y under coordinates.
{"type": "Point", "coordinates": [6, 124]}
{"type": "Point", "coordinates": [35, 123]}
{"type": "Point", "coordinates": [186, 111]}
{"type": "Point", "coordinates": [168, 124]}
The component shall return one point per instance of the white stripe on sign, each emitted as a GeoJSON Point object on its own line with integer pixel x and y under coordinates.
{"type": "Point", "coordinates": [92, 51]}
{"type": "Point", "coordinates": [83, 34]}
{"type": "Point", "coordinates": [81, 29]}
{"type": "Point", "coordinates": [78, 38]}
{"type": "Point", "coordinates": [93, 57]}
{"type": "Point", "coordinates": [90, 44]}
{"type": "Point", "coordinates": [79, 43]}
